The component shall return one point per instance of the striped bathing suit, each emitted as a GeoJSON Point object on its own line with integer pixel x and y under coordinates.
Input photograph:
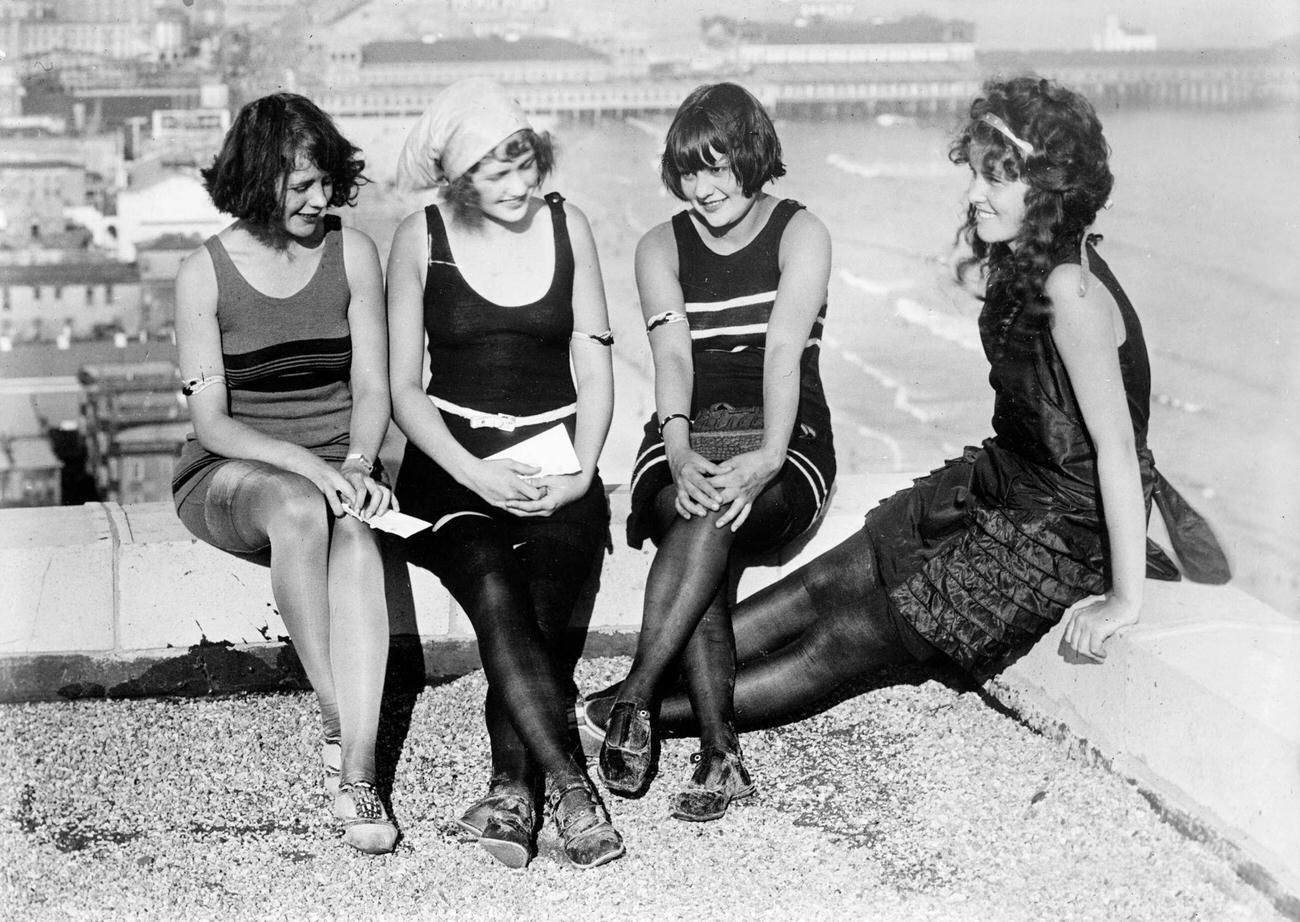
{"type": "Point", "coordinates": [287, 361]}
{"type": "Point", "coordinates": [729, 300]}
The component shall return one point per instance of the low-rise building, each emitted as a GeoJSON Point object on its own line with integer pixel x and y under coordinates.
{"type": "Point", "coordinates": [159, 260]}
{"type": "Point", "coordinates": [30, 472]}
{"type": "Point", "coordinates": [526, 60]}
{"type": "Point", "coordinates": [33, 197]}
{"type": "Point", "coordinates": [69, 299]}
{"type": "Point", "coordinates": [911, 40]}
{"type": "Point", "coordinates": [135, 421]}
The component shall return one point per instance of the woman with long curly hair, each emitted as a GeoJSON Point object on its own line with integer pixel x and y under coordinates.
{"type": "Point", "coordinates": [980, 558]}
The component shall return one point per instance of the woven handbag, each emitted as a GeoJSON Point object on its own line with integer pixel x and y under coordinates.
{"type": "Point", "coordinates": [723, 431]}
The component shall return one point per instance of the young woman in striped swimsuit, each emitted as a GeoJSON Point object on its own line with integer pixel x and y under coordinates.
{"type": "Point", "coordinates": [280, 330]}
{"type": "Point", "coordinates": [733, 290]}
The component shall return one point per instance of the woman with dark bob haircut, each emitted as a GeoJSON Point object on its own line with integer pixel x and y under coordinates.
{"type": "Point", "coordinates": [504, 286]}
{"type": "Point", "coordinates": [980, 558]}
{"type": "Point", "coordinates": [280, 330]}
{"type": "Point", "coordinates": [738, 457]}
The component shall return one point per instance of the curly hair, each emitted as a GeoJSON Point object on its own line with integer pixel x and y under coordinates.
{"type": "Point", "coordinates": [726, 119]}
{"type": "Point", "coordinates": [464, 199]}
{"type": "Point", "coordinates": [1067, 172]}
{"type": "Point", "coordinates": [265, 144]}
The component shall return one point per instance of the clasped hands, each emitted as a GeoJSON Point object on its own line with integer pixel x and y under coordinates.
{"type": "Point", "coordinates": [704, 486]}
{"type": "Point", "coordinates": [350, 484]}
{"type": "Point", "coordinates": [518, 489]}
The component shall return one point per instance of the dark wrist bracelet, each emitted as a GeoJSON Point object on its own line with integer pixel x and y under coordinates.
{"type": "Point", "coordinates": [669, 418]}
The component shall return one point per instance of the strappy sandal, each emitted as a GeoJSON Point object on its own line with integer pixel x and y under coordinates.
{"type": "Point", "coordinates": [366, 824]}
{"type": "Point", "coordinates": [627, 755]}
{"type": "Point", "coordinates": [509, 831]}
{"type": "Point", "coordinates": [588, 836]}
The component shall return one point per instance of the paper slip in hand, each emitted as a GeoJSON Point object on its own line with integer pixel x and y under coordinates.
{"type": "Point", "coordinates": [551, 450]}
{"type": "Point", "coordinates": [397, 523]}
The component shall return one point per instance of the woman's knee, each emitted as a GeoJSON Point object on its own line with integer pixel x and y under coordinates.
{"type": "Point", "coordinates": [353, 542]}
{"type": "Point", "coordinates": [290, 505]}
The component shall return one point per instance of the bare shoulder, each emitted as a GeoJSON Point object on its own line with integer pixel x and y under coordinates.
{"type": "Point", "coordinates": [1092, 316]}
{"type": "Point", "coordinates": [197, 268]}
{"type": "Point", "coordinates": [806, 229]}
{"type": "Point", "coordinates": [579, 226]}
{"type": "Point", "coordinates": [358, 241]}
{"type": "Point", "coordinates": [575, 215]}
{"type": "Point", "coordinates": [658, 241]}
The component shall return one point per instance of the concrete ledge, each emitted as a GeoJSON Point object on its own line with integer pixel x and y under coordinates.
{"type": "Point", "coordinates": [1199, 704]}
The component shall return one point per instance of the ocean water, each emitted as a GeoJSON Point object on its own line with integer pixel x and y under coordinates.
{"type": "Point", "coordinates": [1203, 235]}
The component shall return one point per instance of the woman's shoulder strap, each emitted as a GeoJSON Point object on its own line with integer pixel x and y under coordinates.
{"type": "Point", "coordinates": [222, 265]}
{"type": "Point", "coordinates": [782, 213]}
{"type": "Point", "coordinates": [439, 248]}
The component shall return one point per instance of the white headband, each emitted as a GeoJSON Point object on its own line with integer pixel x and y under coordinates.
{"type": "Point", "coordinates": [1025, 148]}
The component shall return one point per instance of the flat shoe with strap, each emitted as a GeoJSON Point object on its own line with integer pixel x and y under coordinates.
{"type": "Point", "coordinates": [476, 815]}
{"type": "Point", "coordinates": [366, 824]}
{"type": "Point", "coordinates": [588, 836]}
{"type": "Point", "coordinates": [627, 755]}
{"type": "Point", "coordinates": [509, 831]}
{"type": "Point", "coordinates": [718, 778]}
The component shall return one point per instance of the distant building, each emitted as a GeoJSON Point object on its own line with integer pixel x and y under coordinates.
{"type": "Point", "coordinates": [136, 421]}
{"type": "Point", "coordinates": [69, 300]}
{"type": "Point", "coordinates": [27, 40]}
{"type": "Point", "coordinates": [914, 39]}
{"type": "Point", "coordinates": [11, 92]}
{"type": "Point", "coordinates": [176, 204]}
{"type": "Point", "coordinates": [159, 260]}
{"type": "Point", "coordinates": [30, 473]}
{"type": "Point", "coordinates": [261, 13]}
{"type": "Point", "coordinates": [33, 198]}
{"type": "Point", "coordinates": [43, 138]}
{"type": "Point", "coordinates": [1117, 36]}
{"type": "Point", "coordinates": [529, 60]}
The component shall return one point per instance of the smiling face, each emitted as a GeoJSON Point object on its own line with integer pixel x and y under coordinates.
{"type": "Point", "coordinates": [504, 184]}
{"type": "Point", "coordinates": [998, 203]}
{"type": "Point", "coordinates": [715, 194]}
{"type": "Point", "coordinates": [307, 193]}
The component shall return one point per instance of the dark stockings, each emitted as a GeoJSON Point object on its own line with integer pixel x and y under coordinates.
{"type": "Point", "coordinates": [685, 612]}
{"type": "Point", "coordinates": [803, 642]}
{"type": "Point", "coordinates": [687, 617]}
{"type": "Point", "coordinates": [520, 601]}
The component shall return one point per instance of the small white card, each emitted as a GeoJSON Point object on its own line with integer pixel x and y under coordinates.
{"type": "Point", "coordinates": [551, 450]}
{"type": "Point", "coordinates": [397, 523]}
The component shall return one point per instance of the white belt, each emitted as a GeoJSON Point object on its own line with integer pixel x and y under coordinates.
{"type": "Point", "coordinates": [503, 421]}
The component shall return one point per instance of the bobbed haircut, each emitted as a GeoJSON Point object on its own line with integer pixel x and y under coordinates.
{"type": "Point", "coordinates": [267, 140]}
{"type": "Point", "coordinates": [725, 119]}
{"type": "Point", "coordinates": [1067, 173]}
{"type": "Point", "coordinates": [466, 203]}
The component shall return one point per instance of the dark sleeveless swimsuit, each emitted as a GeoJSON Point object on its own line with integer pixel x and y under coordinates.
{"type": "Point", "coordinates": [982, 556]}
{"type": "Point", "coordinates": [494, 359]}
{"type": "Point", "coordinates": [729, 300]}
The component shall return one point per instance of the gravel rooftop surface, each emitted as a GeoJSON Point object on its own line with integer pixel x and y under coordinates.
{"type": "Point", "coordinates": [913, 801]}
